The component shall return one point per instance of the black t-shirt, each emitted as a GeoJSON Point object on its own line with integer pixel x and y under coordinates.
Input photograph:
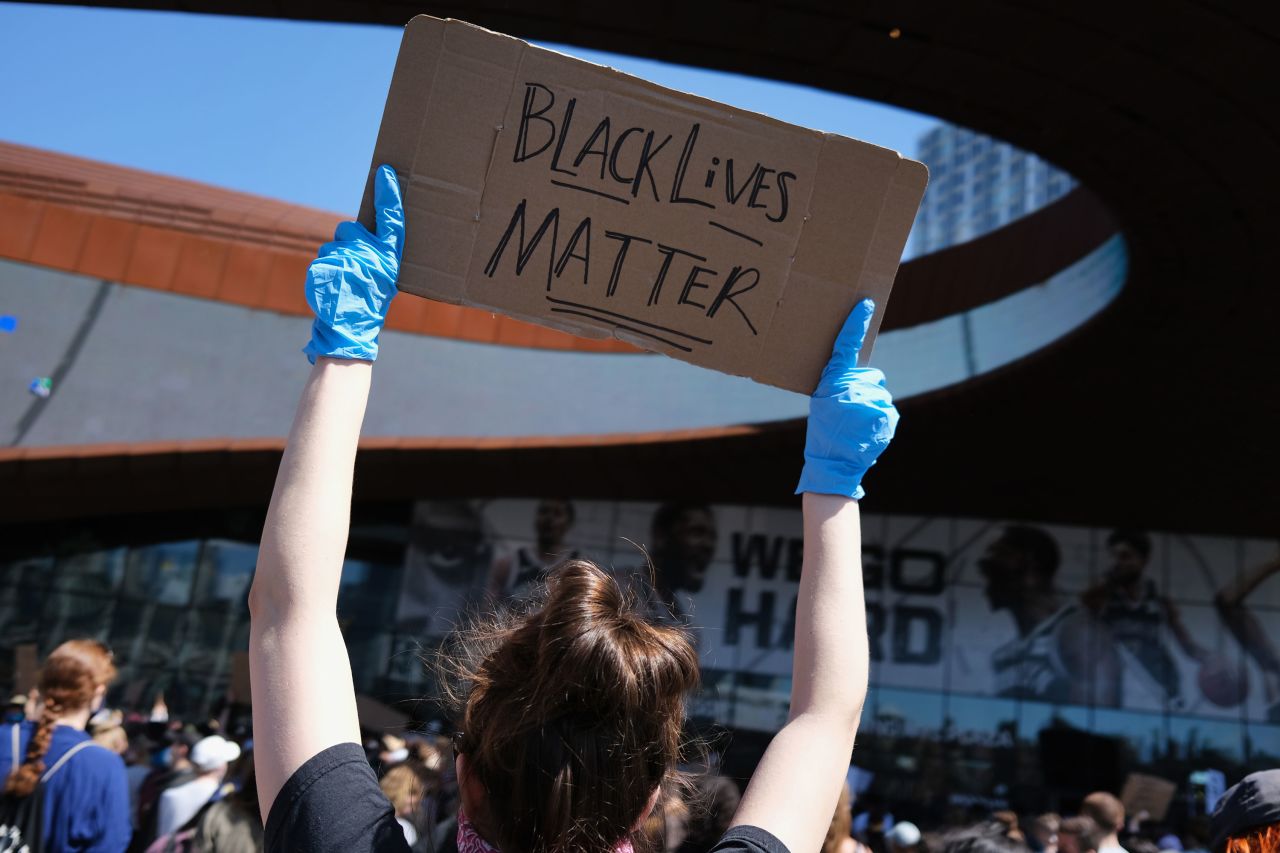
{"type": "Point", "coordinates": [333, 803]}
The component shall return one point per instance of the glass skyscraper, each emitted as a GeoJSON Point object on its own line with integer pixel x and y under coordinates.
{"type": "Point", "coordinates": [977, 184]}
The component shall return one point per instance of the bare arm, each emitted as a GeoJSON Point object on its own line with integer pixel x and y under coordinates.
{"type": "Point", "coordinates": [794, 790]}
{"type": "Point", "coordinates": [303, 698]}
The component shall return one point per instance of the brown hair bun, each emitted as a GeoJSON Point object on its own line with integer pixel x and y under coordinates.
{"type": "Point", "coordinates": [571, 714]}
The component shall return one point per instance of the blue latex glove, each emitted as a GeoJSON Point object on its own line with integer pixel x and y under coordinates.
{"type": "Point", "coordinates": [851, 416]}
{"type": "Point", "coordinates": [351, 282]}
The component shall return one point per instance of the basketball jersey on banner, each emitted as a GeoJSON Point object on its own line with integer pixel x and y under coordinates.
{"type": "Point", "coordinates": [1031, 667]}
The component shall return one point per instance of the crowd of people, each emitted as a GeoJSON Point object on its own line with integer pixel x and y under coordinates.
{"type": "Point", "coordinates": [1099, 825]}
{"type": "Point", "coordinates": [145, 783]}
{"type": "Point", "coordinates": [84, 778]}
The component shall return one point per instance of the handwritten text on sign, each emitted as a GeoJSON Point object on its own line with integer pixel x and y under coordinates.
{"type": "Point", "coordinates": [624, 164]}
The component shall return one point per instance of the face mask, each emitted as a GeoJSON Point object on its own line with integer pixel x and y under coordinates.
{"type": "Point", "coordinates": [163, 758]}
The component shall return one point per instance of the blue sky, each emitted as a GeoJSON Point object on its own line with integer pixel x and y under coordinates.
{"type": "Point", "coordinates": [285, 109]}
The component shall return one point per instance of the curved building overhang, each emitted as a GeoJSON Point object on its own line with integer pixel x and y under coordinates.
{"type": "Point", "coordinates": [139, 228]}
{"type": "Point", "coordinates": [48, 484]}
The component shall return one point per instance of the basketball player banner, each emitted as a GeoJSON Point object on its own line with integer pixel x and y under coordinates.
{"type": "Point", "coordinates": [1068, 618]}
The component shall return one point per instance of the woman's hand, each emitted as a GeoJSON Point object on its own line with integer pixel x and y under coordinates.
{"type": "Point", "coordinates": [851, 416]}
{"type": "Point", "coordinates": [352, 281]}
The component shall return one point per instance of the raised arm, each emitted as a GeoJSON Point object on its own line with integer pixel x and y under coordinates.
{"type": "Point", "coordinates": [793, 792]}
{"type": "Point", "coordinates": [303, 699]}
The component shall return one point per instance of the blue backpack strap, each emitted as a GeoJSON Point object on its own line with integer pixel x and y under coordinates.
{"type": "Point", "coordinates": [66, 756]}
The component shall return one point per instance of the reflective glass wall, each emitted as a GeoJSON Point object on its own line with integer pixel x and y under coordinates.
{"type": "Point", "coordinates": [175, 611]}
{"type": "Point", "coordinates": [1014, 665]}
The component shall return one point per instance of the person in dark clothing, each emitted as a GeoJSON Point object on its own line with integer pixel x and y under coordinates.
{"type": "Point", "coordinates": [570, 710]}
{"type": "Point", "coordinates": [172, 767]}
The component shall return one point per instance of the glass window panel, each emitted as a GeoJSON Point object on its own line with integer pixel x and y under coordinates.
{"type": "Point", "coordinates": [403, 671]}
{"type": "Point", "coordinates": [906, 564]}
{"type": "Point", "coordinates": [710, 703]}
{"type": "Point", "coordinates": [138, 687]}
{"type": "Point", "coordinates": [68, 616]}
{"type": "Point", "coordinates": [1036, 787]}
{"type": "Point", "coordinates": [91, 572]}
{"type": "Point", "coordinates": [1035, 716]}
{"type": "Point", "coordinates": [210, 637]}
{"type": "Point", "coordinates": [1260, 573]}
{"type": "Point", "coordinates": [367, 593]}
{"type": "Point", "coordinates": [981, 640]}
{"type": "Point", "coordinates": [1263, 747]}
{"type": "Point", "coordinates": [903, 749]}
{"type": "Point", "coordinates": [226, 570]}
{"type": "Point", "coordinates": [369, 649]}
{"type": "Point", "coordinates": [756, 701]}
{"type": "Point", "coordinates": [30, 572]}
{"type": "Point", "coordinates": [186, 697]}
{"type": "Point", "coordinates": [150, 641]}
{"type": "Point", "coordinates": [445, 571]}
{"type": "Point", "coordinates": [127, 629]}
{"type": "Point", "coordinates": [908, 713]}
{"type": "Point", "coordinates": [145, 635]}
{"type": "Point", "coordinates": [1160, 670]}
{"type": "Point", "coordinates": [1198, 567]}
{"type": "Point", "coordinates": [1201, 743]}
{"type": "Point", "coordinates": [203, 665]}
{"type": "Point", "coordinates": [981, 740]}
{"type": "Point", "coordinates": [162, 573]}
{"type": "Point", "coordinates": [1143, 734]}
{"type": "Point", "coordinates": [21, 598]}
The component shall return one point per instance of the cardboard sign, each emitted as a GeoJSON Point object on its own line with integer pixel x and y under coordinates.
{"type": "Point", "coordinates": [1150, 794]}
{"type": "Point", "coordinates": [572, 195]}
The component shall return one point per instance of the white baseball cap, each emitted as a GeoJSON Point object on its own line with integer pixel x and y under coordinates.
{"type": "Point", "coordinates": [214, 751]}
{"type": "Point", "coordinates": [904, 834]}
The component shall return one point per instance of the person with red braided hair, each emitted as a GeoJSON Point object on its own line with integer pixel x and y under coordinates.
{"type": "Point", "coordinates": [570, 710]}
{"type": "Point", "coordinates": [62, 791]}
